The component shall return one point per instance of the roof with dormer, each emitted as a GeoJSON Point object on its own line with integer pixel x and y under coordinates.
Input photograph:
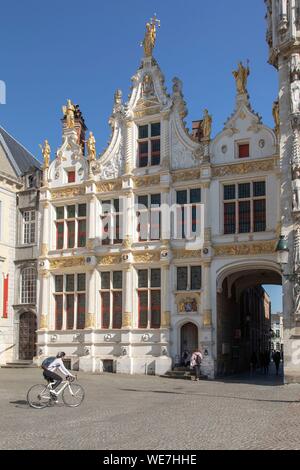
{"type": "Point", "coordinates": [18, 156]}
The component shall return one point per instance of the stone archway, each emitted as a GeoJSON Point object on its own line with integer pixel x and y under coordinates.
{"type": "Point", "coordinates": [243, 313]}
{"type": "Point", "coordinates": [27, 336]}
{"type": "Point", "coordinates": [189, 338]}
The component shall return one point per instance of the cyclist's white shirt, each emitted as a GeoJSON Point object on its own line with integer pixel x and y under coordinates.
{"type": "Point", "coordinates": [58, 364]}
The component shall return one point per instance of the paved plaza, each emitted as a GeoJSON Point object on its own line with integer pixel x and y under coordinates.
{"type": "Point", "coordinates": [146, 412]}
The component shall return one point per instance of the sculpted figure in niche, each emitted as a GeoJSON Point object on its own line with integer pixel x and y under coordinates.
{"type": "Point", "coordinates": [297, 249]}
{"type": "Point", "coordinates": [241, 76]}
{"type": "Point", "coordinates": [206, 125]}
{"type": "Point", "coordinates": [177, 85]}
{"type": "Point", "coordinates": [46, 150]}
{"type": "Point", "coordinates": [147, 86]}
{"type": "Point", "coordinates": [295, 96]}
{"type": "Point", "coordinates": [296, 189]}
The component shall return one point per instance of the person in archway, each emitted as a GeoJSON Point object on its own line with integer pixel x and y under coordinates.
{"type": "Point", "coordinates": [253, 362]}
{"type": "Point", "coordinates": [196, 360]}
{"type": "Point", "coordinates": [277, 359]}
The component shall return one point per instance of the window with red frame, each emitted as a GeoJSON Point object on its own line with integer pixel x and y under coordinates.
{"type": "Point", "coordinates": [149, 217]}
{"type": "Point", "coordinates": [58, 312]}
{"type": "Point", "coordinates": [149, 145]}
{"type": "Point", "coordinates": [188, 200]}
{"type": "Point", "coordinates": [111, 299]}
{"type": "Point", "coordinates": [244, 150]}
{"type": "Point", "coordinates": [80, 311]}
{"type": "Point", "coordinates": [70, 311]}
{"type": "Point", "coordinates": [245, 207]}
{"type": "Point", "coordinates": [149, 298]}
{"type": "Point", "coordinates": [71, 176]}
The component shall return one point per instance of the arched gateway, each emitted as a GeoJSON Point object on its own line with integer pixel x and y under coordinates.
{"type": "Point", "coordinates": [189, 337]}
{"type": "Point", "coordinates": [243, 314]}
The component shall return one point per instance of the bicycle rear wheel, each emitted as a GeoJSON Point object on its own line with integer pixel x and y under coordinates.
{"type": "Point", "coordinates": [73, 395]}
{"type": "Point", "coordinates": [38, 396]}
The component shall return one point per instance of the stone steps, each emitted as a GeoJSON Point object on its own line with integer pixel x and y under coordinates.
{"type": "Point", "coordinates": [19, 364]}
{"type": "Point", "coordinates": [183, 374]}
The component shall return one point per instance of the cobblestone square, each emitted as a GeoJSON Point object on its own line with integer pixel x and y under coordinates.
{"type": "Point", "coordinates": [146, 412]}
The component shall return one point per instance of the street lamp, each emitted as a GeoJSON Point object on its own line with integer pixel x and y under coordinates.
{"type": "Point", "coordinates": [282, 250]}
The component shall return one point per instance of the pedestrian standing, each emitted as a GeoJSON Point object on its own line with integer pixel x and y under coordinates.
{"type": "Point", "coordinates": [196, 360]}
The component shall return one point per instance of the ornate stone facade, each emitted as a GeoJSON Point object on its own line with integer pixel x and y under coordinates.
{"type": "Point", "coordinates": [150, 288]}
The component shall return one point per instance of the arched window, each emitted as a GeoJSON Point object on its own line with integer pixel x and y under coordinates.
{"type": "Point", "coordinates": [28, 286]}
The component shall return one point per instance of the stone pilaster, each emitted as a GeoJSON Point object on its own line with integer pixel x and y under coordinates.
{"type": "Point", "coordinates": [44, 300]}
{"type": "Point", "coordinates": [90, 321]}
{"type": "Point", "coordinates": [45, 233]}
{"type": "Point", "coordinates": [165, 139]}
{"type": "Point", "coordinates": [127, 292]}
{"type": "Point", "coordinates": [91, 226]}
{"type": "Point", "coordinates": [165, 297]}
{"type": "Point", "coordinates": [129, 148]}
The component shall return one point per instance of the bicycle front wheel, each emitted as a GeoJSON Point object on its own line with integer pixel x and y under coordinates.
{"type": "Point", "coordinates": [38, 396]}
{"type": "Point", "coordinates": [73, 395]}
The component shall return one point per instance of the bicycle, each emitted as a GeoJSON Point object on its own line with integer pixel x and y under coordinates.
{"type": "Point", "coordinates": [39, 396]}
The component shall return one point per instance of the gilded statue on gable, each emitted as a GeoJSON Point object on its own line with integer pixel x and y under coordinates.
{"type": "Point", "coordinates": [150, 36]}
{"type": "Point", "coordinates": [46, 151]}
{"type": "Point", "coordinates": [241, 76]}
{"type": "Point", "coordinates": [69, 113]}
{"type": "Point", "coordinates": [206, 125]}
{"type": "Point", "coordinates": [91, 146]}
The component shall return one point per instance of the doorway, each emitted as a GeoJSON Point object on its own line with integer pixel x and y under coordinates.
{"type": "Point", "coordinates": [27, 336]}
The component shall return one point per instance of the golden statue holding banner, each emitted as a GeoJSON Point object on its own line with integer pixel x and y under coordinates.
{"type": "Point", "coordinates": [91, 146]}
{"type": "Point", "coordinates": [241, 76]}
{"type": "Point", "coordinates": [150, 36]}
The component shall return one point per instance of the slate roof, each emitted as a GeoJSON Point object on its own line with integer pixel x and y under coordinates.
{"type": "Point", "coordinates": [19, 157]}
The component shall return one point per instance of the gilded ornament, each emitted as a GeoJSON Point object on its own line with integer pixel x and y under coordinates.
{"type": "Point", "coordinates": [43, 322]}
{"type": "Point", "coordinates": [44, 250]}
{"type": "Point", "coordinates": [206, 125]}
{"type": "Point", "coordinates": [91, 146]}
{"type": "Point", "coordinates": [242, 249]}
{"type": "Point", "coordinates": [90, 321]}
{"type": "Point", "coordinates": [68, 192]}
{"type": "Point", "coordinates": [69, 114]}
{"type": "Point", "coordinates": [67, 262]}
{"type": "Point", "coordinates": [276, 117]}
{"type": "Point", "coordinates": [186, 254]}
{"type": "Point", "coordinates": [109, 259]}
{"type": "Point", "coordinates": [126, 320]}
{"type": "Point", "coordinates": [150, 36]}
{"type": "Point", "coordinates": [207, 318]}
{"type": "Point", "coordinates": [186, 175]}
{"type": "Point", "coordinates": [147, 258]}
{"type": "Point", "coordinates": [107, 187]}
{"type": "Point", "coordinates": [241, 76]}
{"type": "Point", "coordinates": [243, 168]}
{"type": "Point", "coordinates": [46, 151]}
{"type": "Point", "coordinates": [166, 319]}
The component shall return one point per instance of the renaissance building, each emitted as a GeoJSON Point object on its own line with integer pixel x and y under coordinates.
{"type": "Point", "coordinates": [160, 244]}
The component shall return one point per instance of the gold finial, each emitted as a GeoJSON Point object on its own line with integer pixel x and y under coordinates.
{"type": "Point", "coordinates": [46, 151]}
{"type": "Point", "coordinates": [91, 145]}
{"type": "Point", "coordinates": [150, 36]}
{"type": "Point", "coordinates": [241, 76]}
{"type": "Point", "coordinates": [69, 113]}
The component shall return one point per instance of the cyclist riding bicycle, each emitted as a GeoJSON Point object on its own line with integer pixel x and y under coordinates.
{"type": "Point", "coordinates": [50, 366]}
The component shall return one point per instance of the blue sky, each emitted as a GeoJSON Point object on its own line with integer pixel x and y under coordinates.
{"type": "Point", "coordinates": [51, 51]}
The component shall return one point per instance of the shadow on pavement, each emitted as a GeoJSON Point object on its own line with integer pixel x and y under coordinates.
{"type": "Point", "coordinates": [209, 395]}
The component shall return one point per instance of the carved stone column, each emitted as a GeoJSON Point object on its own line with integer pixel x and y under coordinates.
{"type": "Point", "coordinates": [129, 148]}
{"type": "Point", "coordinates": [45, 234]}
{"type": "Point", "coordinates": [127, 290]}
{"type": "Point", "coordinates": [90, 320]}
{"type": "Point", "coordinates": [44, 300]}
{"type": "Point", "coordinates": [207, 310]}
{"type": "Point", "coordinates": [165, 297]}
{"type": "Point", "coordinates": [91, 228]}
{"type": "Point", "coordinates": [165, 137]}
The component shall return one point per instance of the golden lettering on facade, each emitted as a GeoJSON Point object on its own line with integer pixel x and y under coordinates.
{"type": "Point", "coordinates": [67, 262]}
{"type": "Point", "coordinates": [146, 181]}
{"type": "Point", "coordinates": [109, 259]}
{"type": "Point", "coordinates": [68, 192]}
{"type": "Point", "coordinates": [183, 254]}
{"type": "Point", "coordinates": [186, 175]}
{"type": "Point", "coordinates": [239, 249]}
{"type": "Point", "coordinates": [147, 258]}
{"type": "Point", "coordinates": [243, 168]}
{"type": "Point", "coordinates": [107, 187]}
